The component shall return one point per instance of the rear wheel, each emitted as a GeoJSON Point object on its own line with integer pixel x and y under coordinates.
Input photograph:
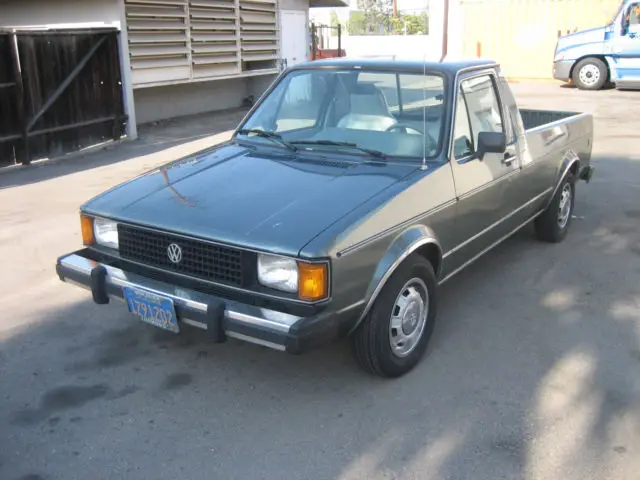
{"type": "Point", "coordinates": [590, 74]}
{"type": "Point", "coordinates": [394, 335]}
{"type": "Point", "coordinates": [552, 225]}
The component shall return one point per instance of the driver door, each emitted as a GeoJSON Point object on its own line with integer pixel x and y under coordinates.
{"type": "Point", "coordinates": [625, 47]}
{"type": "Point", "coordinates": [482, 186]}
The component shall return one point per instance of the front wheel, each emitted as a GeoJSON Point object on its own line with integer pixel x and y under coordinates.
{"type": "Point", "coordinates": [394, 335]}
{"type": "Point", "coordinates": [552, 225]}
{"type": "Point", "coordinates": [590, 74]}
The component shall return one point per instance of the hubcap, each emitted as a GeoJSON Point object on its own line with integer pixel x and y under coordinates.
{"type": "Point", "coordinates": [589, 74]}
{"type": "Point", "coordinates": [564, 207]}
{"type": "Point", "coordinates": [409, 317]}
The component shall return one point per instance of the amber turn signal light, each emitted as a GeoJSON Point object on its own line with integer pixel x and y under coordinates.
{"type": "Point", "coordinates": [86, 224]}
{"type": "Point", "coordinates": [312, 281]}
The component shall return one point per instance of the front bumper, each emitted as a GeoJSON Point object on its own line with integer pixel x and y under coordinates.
{"type": "Point", "coordinates": [562, 70]}
{"type": "Point", "coordinates": [220, 318]}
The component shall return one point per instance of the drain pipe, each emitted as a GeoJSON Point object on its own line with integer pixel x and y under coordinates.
{"type": "Point", "coordinates": [445, 31]}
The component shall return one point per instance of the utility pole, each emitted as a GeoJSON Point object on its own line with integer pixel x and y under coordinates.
{"type": "Point", "coordinates": [445, 30]}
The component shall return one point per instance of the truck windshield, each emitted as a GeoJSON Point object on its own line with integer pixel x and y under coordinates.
{"type": "Point", "coordinates": [354, 111]}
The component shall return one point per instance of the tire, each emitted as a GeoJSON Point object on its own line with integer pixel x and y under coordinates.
{"type": "Point", "coordinates": [590, 74]}
{"type": "Point", "coordinates": [372, 340]}
{"type": "Point", "coordinates": [553, 224]}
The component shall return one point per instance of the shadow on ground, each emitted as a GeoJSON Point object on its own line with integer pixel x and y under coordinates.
{"type": "Point", "coordinates": [152, 138]}
{"type": "Point", "coordinates": [533, 372]}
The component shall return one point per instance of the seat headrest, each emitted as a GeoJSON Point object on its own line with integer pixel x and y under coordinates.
{"type": "Point", "coordinates": [365, 89]}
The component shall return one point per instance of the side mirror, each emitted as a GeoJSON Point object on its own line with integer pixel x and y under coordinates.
{"type": "Point", "coordinates": [491, 142]}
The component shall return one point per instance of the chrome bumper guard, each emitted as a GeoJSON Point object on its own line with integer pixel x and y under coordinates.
{"type": "Point", "coordinates": [219, 317]}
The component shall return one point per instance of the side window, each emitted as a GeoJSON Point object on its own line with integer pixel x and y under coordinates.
{"type": "Point", "coordinates": [483, 105]}
{"type": "Point", "coordinates": [633, 17]}
{"type": "Point", "coordinates": [462, 139]}
{"type": "Point", "coordinates": [511, 107]}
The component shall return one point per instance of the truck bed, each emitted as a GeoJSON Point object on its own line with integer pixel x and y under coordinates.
{"type": "Point", "coordinates": [537, 118]}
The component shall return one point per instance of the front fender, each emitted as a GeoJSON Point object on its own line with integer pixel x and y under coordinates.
{"type": "Point", "coordinates": [406, 243]}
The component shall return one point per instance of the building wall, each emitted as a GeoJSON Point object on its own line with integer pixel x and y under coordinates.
{"type": "Point", "coordinates": [160, 103]}
{"type": "Point", "coordinates": [59, 12]}
{"type": "Point", "coordinates": [147, 104]}
{"type": "Point", "coordinates": [407, 46]}
{"type": "Point", "coordinates": [522, 34]}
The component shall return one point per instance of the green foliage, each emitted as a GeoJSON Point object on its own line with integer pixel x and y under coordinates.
{"type": "Point", "coordinates": [416, 24]}
{"type": "Point", "coordinates": [357, 24]}
{"type": "Point", "coordinates": [375, 17]}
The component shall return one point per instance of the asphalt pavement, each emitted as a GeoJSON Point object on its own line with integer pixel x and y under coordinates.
{"type": "Point", "coordinates": [533, 371]}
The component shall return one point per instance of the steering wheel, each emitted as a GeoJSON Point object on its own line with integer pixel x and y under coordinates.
{"type": "Point", "coordinates": [404, 127]}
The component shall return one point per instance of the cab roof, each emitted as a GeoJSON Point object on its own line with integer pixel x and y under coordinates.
{"type": "Point", "coordinates": [391, 63]}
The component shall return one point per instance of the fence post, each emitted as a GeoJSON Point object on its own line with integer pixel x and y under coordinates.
{"type": "Point", "coordinates": [314, 44]}
{"type": "Point", "coordinates": [339, 40]}
{"type": "Point", "coordinates": [22, 116]}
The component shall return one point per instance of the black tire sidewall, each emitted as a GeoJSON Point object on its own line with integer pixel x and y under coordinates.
{"type": "Point", "coordinates": [600, 65]}
{"type": "Point", "coordinates": [380, 316]}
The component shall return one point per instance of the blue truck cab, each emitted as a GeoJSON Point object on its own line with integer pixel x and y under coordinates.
{"type": "Point", "coordinates": [592, 58]}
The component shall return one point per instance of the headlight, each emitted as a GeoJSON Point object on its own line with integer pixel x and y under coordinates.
{"type": "Point", "coordinates": [105, 232]}
{"type": "Point", "coordinates": [278, 272]}
{"type": "Point", "coordinates": [309, 280]}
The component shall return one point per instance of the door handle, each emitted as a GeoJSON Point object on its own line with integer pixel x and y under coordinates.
{"type": "Point", "coordinates": [508, 159]}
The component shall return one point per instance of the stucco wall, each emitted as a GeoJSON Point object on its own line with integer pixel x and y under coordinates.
{"type": "Point", "coordinates": [415, 46]}
{"type": "Point", "coordinates": [159, 103]}
{"type": "Point", "coordinates": [59, 12]}
{"type": "Point", "coordinates": [293, 5]}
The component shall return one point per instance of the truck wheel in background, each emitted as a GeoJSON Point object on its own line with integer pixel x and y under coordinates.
{"type": "Point", "coordinates": [553, 224]}
{"type": "Point", "coordinates": [590, 74]}
{"type": "Point", "coordinates": [394, 335]}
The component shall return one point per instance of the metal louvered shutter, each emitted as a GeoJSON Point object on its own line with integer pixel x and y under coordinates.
{"type": "Point", "coordinates": [157, 31]}
{"type": "Point", "coordinates": [258, 34]}
{"type": "Point", "coordinates": [214, 37]}
{"type": "Point", "coordinates": [176, 41]}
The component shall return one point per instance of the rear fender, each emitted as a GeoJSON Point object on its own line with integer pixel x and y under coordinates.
{"type": "Point", "coordinates": [570, 161]}
{"type": "Point", "coordinates": [411, 240]}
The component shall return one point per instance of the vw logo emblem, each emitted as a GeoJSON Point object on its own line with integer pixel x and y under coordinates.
{"type": "Point", "coordinates": [174, 252]}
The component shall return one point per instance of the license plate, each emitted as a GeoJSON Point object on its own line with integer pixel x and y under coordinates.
{"type": "Point", "coordinates": [153, 309]}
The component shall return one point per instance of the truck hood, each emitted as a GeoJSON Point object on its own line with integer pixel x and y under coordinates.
{"type": "Point", "coordinates": [592, 40]}
{"type": "Point", "coordinates": [262, 199]}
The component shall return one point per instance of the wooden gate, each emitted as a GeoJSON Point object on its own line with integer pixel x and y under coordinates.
{"type": "Point", "coordinates": [522, 34]}
{"type": "Point", "coordinates": [60, 91]}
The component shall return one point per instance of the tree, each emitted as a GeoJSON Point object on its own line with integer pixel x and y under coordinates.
{"type": "Point", "coordinates": [357, 24]}
{"type": "Point", "coordinates": [333, 22]}
{"type": "Point", "coordinates": [377, 15]}
{"type": "Point", "coordinates": [416, 24]}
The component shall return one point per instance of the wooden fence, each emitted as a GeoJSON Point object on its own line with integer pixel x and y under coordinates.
{"type": "Point", "coordinates": [60, 91]}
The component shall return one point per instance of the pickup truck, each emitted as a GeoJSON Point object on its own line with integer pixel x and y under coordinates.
{"type": "Point", "coordinates": [349, 192]}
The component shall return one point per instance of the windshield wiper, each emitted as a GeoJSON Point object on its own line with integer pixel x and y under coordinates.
{"type": "Point", "coordinates": [369, 151]}
{"type": "Point", "coordinates": [266, 134]}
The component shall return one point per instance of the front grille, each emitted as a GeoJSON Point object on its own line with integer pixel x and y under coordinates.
{"type": "Point", "coordinates": [199, 259]}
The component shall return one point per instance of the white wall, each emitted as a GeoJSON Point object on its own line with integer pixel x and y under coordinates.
{"type": "Point", "coordinates": [403, 46]}
{"type": "Point", "coordinates": [22, 13]}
